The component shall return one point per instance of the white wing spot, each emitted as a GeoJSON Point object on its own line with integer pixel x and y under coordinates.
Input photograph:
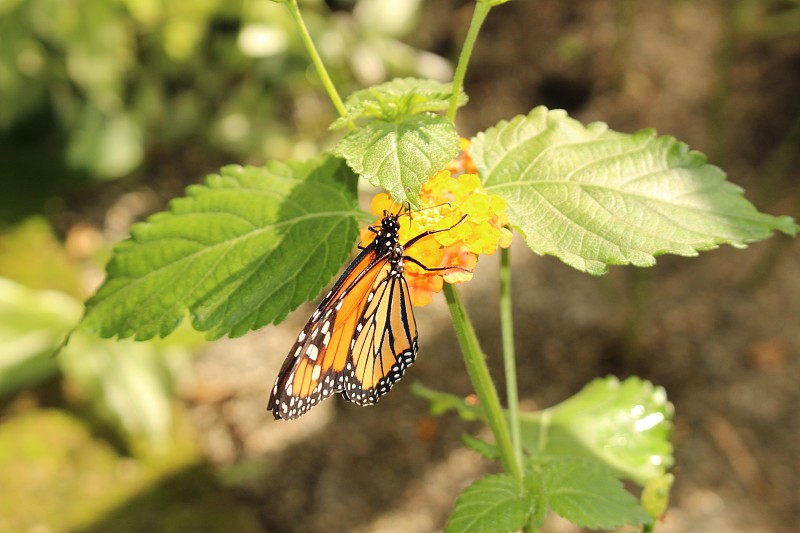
{"type": "Point", "coordinates": [312, 352]}
{"type": "Point", "coordinates": [316, 372]}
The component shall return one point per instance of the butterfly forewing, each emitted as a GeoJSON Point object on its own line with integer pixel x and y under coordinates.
{"type": "Point", "coordinates": [315, 367]}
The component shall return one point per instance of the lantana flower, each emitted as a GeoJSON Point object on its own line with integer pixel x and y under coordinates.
{"type": "Point", "coordinates": [444, 200]}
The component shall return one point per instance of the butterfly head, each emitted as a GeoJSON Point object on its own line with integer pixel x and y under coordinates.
{"type": "Point", "coordinates": [390, 225]}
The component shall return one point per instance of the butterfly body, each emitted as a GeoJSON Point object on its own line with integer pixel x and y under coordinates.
{"type": "Point", "coordinates": [361, 338]}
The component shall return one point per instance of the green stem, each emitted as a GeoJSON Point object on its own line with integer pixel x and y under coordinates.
{"type": "Point", "coordinates": [475, 362]}
{"type": "Point", "coordinates": [509, 356]}
{"type": "Point", "coordinates": [291, 5]}
{"type": "Point", "coordinates": [478, 16]}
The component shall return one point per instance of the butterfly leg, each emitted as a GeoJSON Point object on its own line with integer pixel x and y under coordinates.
{"type": "Point", "coordinates": [432, 231]}
{"type": "Point", "coordinates": [434, 269]}
{"type": "Point", "coordinates": [373, 230]}
{"type": "Point", "coordinates": [426, 234]}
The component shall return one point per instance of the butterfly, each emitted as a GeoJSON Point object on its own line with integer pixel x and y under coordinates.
{"type": "Point", "coordinates": [362, 337]}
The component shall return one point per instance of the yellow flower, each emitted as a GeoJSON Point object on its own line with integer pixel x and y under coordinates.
{"type": "Point", "coordinates": [444, 200]}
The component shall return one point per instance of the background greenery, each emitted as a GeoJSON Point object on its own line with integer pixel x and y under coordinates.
{"type": "Point", "coordinates": [108, 108]}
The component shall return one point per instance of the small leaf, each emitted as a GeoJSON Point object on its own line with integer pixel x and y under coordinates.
{"type": "Point", "coordinates": [481, 447]}
{"type": "Point", "coordinates": [400, 156]}
{"type": "Point", "coordinates": [588, 495]}
{"type": "Point", "coordinates": [494, 503]}
{"type": "Point", "coordinates": [442, 402]}
{"type": "Point", "coordinates": [624, 425]}
{"type": "Point", "coordinates": [239, 252]}
{"type": "Point", "coordinates": [397, 99]}
{"type": "Point", "coordinates": [593, 197]}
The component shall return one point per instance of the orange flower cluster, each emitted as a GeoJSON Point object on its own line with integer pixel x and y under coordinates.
{"type": "Point", "coordinates": [443, 201]}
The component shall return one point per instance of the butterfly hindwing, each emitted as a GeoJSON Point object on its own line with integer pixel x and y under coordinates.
{"type": "Point", "coordinates": [385, 343]}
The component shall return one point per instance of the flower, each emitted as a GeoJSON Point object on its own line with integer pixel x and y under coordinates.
{"type": "Point", "coordinates": [444, 200]}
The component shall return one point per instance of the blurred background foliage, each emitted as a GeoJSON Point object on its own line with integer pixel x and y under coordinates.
{"type": "Point", "coordinates": [93, 88]}
{"type": "Point", "coordinates": [107, 109]}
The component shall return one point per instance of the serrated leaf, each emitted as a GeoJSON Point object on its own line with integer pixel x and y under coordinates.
{"type": "Point", "coordinates": [588, 495]}
{"type": "Point", "coordinates": [398, 99]}
{"type": "Point", "coordinates": [237, 253]}
{"type": "Point", "coordinates": [624, 425]}
{"type": "Point", "coordinates": [400, 156]}
{"type": "Point", "coordinates": [495, 503]}
{"type": "Point", "coordinates": [593, 197]}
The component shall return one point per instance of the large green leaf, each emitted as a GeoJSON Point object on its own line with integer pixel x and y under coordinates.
{"type": "Point", "coordinates": [237, 253]}
{"type": "Point", "coordinates": [594, 197]}
{"type": "Point", "coordinates": [400, 156]}
{"type": "Point", "coordinates": [495, 503]}
{"type": "Point", "coordinates": [626, 425]}
{"type": "Point", "coordinates": [587, 494]}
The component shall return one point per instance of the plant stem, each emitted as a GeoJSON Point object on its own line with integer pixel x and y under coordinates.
{"type": "Point", "coordinates": [509, 355]}
{"type": "Point", "coordinates": [475, 362]}
{"type": "Point", "coordinates": [291, 5]}
{"type": "Point", "coordinates": [478, 16]}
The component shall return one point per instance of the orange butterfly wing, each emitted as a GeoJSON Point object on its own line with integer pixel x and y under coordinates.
{"type": "Point", "coordinates": [358, 341]}
{"type": "Point", "coordinates": [385, 343]}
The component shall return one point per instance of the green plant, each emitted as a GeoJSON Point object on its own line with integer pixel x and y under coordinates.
{"type": "Point", "coordinates": [235, 253]}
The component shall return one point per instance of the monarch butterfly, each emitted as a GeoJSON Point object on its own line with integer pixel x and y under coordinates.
{"type": "Point", "coordinates": [362, 337]}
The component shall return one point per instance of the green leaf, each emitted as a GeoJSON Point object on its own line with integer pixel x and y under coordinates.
{"type": "Point", "coordinates": [400, 156]}
{"type": "Point", "coordinates": [593, 197]}
{"type": "Point", "coordinates": [128, 385]}
{"type": "Point", "coordinates": [32, 324]}
{"type": "Point", "coordinates": [494, 503]}
{"type": "Point", "coordinates": [442, 402]}
{"type": "Point", "coordinates": [588, 495]}
{"type": "Point", "coordinates": [239, 252]}
{"type": "Point", "coordinates": [481, 447]}
{"type": "Point", "coordinates": [626, 426]}
{"type": "Point", "coordinates": [397, 99]}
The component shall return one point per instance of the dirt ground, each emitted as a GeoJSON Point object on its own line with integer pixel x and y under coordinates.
{"type": "Point", "coordinates": [719, 332]}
